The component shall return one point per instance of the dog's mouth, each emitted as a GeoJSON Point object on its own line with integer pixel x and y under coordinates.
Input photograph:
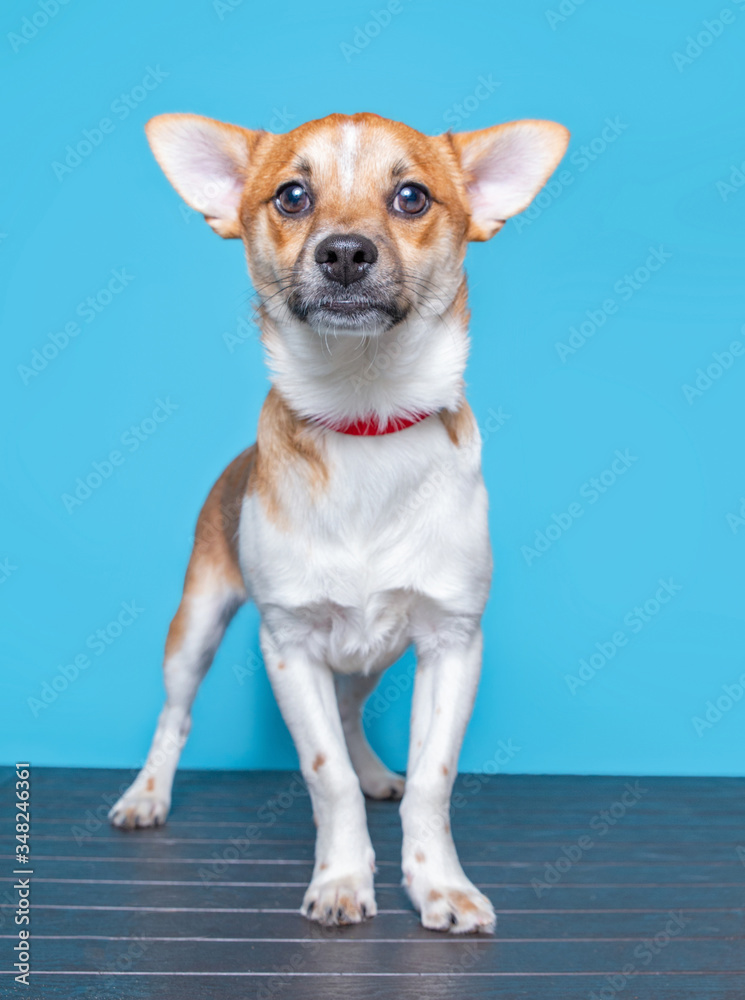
{"type": "Point", "coordinates": [348, 312]}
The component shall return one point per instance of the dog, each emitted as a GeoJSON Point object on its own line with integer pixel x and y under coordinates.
{"type": "Point", "coordinates": [357, 523]}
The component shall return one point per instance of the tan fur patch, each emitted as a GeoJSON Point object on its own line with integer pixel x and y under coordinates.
{"type": "Point", "coordinates": [319, 762]}
{"type": "Point", "coordinates": [464, 904]}
{"type": "Point", "coordinates": [150, 786]}
{"type": "Point", "coordinates": [445, 769]}
{"type": "Point", "coordinates": [177, 629]}
{"type": "Point", "coordinates": [285, 445]}
{"type": "Point", "coordinates": [459, 312]}
{"type": "Point", "coordinates": [434, 896]}
{"type": "Point", "coordinates": [215, 551]}
{"type": "Point", "coordinates": [419, 856]}
{"type": "Point", "coordinates": [460, 424]}
{"type": "Point", "coordinates": [322, 867]}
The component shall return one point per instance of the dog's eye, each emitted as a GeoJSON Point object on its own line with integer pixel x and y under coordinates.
{"type": "Point", "coordinates": [411, 199]}
{"type": "Point", "coordinates": [291, 199]}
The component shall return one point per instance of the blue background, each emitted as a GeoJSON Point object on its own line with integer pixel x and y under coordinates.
{"type": "Point", "coordinates": [679, 133]}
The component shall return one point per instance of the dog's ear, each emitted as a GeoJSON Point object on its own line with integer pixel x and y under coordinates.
{"type": "Point", "coordinates": [206, 162]}
{"type": "Point", "coordinates": [504, 168]}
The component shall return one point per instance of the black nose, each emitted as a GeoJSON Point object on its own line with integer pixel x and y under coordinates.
{"type": "Point", "coordinates": [346, 257]}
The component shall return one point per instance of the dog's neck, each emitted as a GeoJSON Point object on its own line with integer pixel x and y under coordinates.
{"type": "Point", "coordinates": [415, 367]}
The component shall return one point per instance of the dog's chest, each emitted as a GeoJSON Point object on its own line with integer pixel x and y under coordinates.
{"type": "Point", "coordinates": [396, 541]}
{"type": "Point", "coordinates": [363, 636]}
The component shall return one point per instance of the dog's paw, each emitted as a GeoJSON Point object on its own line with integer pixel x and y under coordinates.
{"type": "Point", "coordinates": [380, 783]}
{"type": "Point", "coordinates": [460, 910]}
{"type": "Point", "coordinates": [139, 808]}
{"type": "Point", "coordinates": [346, 900]}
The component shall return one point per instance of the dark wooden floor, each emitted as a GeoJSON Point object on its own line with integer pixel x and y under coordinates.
{"type": "Point", "coordinates": [652, 909]}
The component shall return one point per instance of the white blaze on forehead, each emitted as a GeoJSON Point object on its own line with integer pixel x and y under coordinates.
{"type": "Point", "coordinates": [348, 152]}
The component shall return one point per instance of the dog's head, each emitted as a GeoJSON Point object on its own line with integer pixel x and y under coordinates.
{"type": "Point", "coordinates": [353, 222]}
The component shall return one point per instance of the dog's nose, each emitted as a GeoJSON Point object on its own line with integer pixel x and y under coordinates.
{"type": "Point", "coordinates": [346, 257]}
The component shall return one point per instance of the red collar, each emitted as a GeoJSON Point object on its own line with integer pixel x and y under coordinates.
{"type": "Point", "coordinates": [372, 427]}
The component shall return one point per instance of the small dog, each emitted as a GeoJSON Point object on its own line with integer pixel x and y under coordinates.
{"type": "Point", "coordinates": [358, 520]}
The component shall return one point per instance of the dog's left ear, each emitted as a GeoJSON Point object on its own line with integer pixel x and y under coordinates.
{"type": "Point", "coordinates": [504, 168]}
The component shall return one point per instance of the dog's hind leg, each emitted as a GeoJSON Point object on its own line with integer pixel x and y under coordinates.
{"type": "Point", "coordinates": [376, 780]}
{"type": "Point", "coordinates": [213, 591]}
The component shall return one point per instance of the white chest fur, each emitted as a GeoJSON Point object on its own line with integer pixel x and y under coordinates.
{"type": "Point", "coordinates": [396, 544]}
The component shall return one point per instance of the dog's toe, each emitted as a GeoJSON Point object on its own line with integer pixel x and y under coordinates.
{"type": "Point", "coordinates": [139, 810]}
{"type": "Point", "coordinates": [345, 900]}
{"type": "Point", "coordinates": [459, 911]}
{"type": "Point", "coordinates": [381, 783]}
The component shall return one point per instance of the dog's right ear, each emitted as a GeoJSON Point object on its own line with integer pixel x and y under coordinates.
{"type": "Point", "coordinates": [206, 161]}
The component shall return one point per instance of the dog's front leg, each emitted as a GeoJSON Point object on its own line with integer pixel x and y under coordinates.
{"type": "Point", "coordinates": [444, 691]}
{"type": "Point", "coordinates": [341, 890]}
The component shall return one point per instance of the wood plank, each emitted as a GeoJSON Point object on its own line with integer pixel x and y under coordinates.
{"type": "Point", "coordinates": [504, 793]}
{"type": "Point", "coordinates": [220, 800]}
{"type": "Point", "coordinates": [533, 923]}
{"type": "Point", "coordinates": [387, 852]}
{"type": "Point", "coordinates": [341, 987]}
{"type": "Point", "coordinates": [195, 894]}
{"type": "Point", "coordinates": [557, 786]}
{"type": "Point", "coordinates": [87, 827]}
{"type": "Point", "coordinates": [246, 871]}
{"type": "Point", "coordinates": [311, 956]}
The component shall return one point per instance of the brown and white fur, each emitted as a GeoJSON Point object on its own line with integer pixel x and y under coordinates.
{"type": "Point", "coordinates": [346, 546]}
